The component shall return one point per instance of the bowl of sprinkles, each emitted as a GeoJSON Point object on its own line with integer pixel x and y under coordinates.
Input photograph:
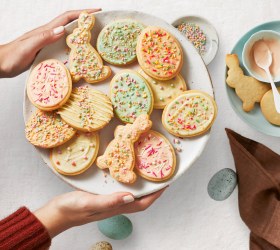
{"type": "Point", "coordinates": [201, 33]}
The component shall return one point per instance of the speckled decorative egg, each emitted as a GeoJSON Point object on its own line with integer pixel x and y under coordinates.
{"type": "Point", "coordinates": [222, 184]}
{"type": "Point", "coordinates": [117, 227]}
{"type": "Point", "coordinates": [102, 245]}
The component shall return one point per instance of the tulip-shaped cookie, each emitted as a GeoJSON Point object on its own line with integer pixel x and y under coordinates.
{"type": "Point", "coordinates": [119, 156]}
{"type": "Point", "coordinates": [84, 60]}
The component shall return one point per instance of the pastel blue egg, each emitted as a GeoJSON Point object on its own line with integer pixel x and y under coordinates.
{"type": "Point", "coordinates": [222, 184]}
{"type": "Point", "coordinates": [117, 227]}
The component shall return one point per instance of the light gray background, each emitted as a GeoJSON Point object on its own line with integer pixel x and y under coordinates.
{"type": "Point", "coordinates": [185, 217]}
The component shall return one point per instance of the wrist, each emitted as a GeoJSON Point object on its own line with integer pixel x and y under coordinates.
{"type": "Point", "coordinates": [52, 218]}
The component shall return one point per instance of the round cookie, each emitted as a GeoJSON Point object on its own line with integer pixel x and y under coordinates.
{"type": "Point", "coordinates": [77, 155]}
{"type": "Point", "coordinates": [47, 130]}
{"type": "Point", "coordinates": [165, 91]}
{"type": "Point", "coordinates": [49, 85]}
{"type": "Point", "coordinates": [159, 53]}
{"type": "Point", "coordinates": [87, 109]}
{"type": "Point", "coordinates": [190, 114]}
{"type": "Point", "coordinates": [131, 95]}
{"type": "Point", "coordinates": [116, 43]}
{"type": "Point", "coordinates": [268, 108]}
{"type": "Point", "coordinates": [155, 157]}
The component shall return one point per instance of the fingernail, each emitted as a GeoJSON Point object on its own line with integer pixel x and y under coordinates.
{"type": "Point", "coordinates": [128, 199]}
{"type": "Point", "coordinates": [58, 30]}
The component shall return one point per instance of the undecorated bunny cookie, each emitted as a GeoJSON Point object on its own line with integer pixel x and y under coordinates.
{"type": "Point", "coordinates": [84, 60]}
{"type": "Point", "coordinates": [119, 155]}
{"type": "Point", "coordinates": [249, 89]}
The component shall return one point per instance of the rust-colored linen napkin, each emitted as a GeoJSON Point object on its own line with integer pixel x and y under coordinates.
{"type": "Point", "coordinates": [258, 171]}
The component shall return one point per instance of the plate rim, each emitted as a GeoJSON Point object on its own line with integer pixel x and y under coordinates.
{"type": "Point", "coordinates": [175, 176]}
{"type": "Point", "coordinates": [228, 89]}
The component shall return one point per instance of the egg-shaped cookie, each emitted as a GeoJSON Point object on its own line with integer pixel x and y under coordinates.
{"type": "Point", "coordinates": [131, 95]}
{"type": "Point", "coordinates": [159, 53]}
{"type": "Point", "coordinates": [47, 130]}
{"type": "Point", "coordinates": [49, 85]}
{"type": "Point", "coordinates": [155, 159]}
{"type": "Point", "coordinates": [190, 114]}
{"type": "Point", "coordinates": [87, 109]}
{"type": "Point", "coordinates": [117, 41]}
{"type": "Point", "coordinates": [165, 91]}
{"type": "Point", "coordinates": [77, 155]}
{"type": "Point", "coordinates": [268, 108]}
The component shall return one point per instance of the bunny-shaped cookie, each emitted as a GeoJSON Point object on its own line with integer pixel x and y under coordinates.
{"type": "Point", "coordinates": [119, 155]}
{"type": "Point", "coordinates": [84, 60]}
{"type": "Point", "coordinates": [249, 89]}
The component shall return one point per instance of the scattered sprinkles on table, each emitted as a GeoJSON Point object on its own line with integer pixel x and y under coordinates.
{"type": "Point", "coordinates": [155, 157]}
{"type": "Point", "coordinates": [159, 53]}
{"type": "Point", "coordinates": [117, 41]}
{"type": "Point", "coordinates": [76, 155]}
{"type": "Point", "coordinates": [87, 109]}
{"type": "Point", "coordinates": [84, 61]}
{"type": "Point", "coordinates": [130, 95]}
{"type": "Point", "coordinates": [190, 114]}
{"type": "Point", "coordinates": [195, 35]}
{"type": "Point", "coordinates": [49, 85]}
{"type": "Point", "coordinates": [47, 130]}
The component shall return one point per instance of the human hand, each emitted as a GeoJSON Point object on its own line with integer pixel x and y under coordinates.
{"type": "Point", "coordinates": [78, 208]}
{"type": "Point", "coordinates": [17, 56]}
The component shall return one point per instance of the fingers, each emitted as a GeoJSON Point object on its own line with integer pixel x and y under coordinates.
{"type": "Point", "coordinates": [40, 40]}
{"type": "Point", "coordinates": [138, 205]}
{"type": "Point", "coordinates": [102, 203]}
{"type": "Point", "coordinates": [61, 20]}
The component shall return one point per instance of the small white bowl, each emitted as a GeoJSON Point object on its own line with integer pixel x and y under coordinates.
{"type": "Point", "coordinates": [263, 34]}
{"type": "Point", "coordinates": [212, 40]}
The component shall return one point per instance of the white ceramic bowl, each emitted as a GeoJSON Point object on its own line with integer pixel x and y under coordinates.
{"type": "Point", "coordinates": [263, 34]}
{"type": "Point", "coordinates": [212, 39]}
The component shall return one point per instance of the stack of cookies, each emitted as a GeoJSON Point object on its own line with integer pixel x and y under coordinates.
{"type": "Point", "coordinates": [68, 119]}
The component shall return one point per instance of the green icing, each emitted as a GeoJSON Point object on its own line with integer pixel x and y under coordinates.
{"type": "Point", "coordinates": [117, 41]}
{"type": "Point", "coordinates": [130, 96]}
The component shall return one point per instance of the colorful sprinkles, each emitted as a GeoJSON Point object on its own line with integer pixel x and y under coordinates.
{"type": "Point", "coordinates": [47, 130]}
{"type": "Point", "coordinates": [159, 53]}
{"type": "Point", "coordinates": [117, 41]}
{"type": "Point", "coordinates": [195, 35]}
{"type": "Point", "coordinates": [130, 96]}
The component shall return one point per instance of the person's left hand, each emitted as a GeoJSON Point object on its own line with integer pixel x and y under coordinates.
{"type": "Point", "coordinates": [17, 56]}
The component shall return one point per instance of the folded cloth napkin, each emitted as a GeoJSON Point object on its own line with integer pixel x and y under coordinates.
{"type": "Point", "coordinates": [258, 171]}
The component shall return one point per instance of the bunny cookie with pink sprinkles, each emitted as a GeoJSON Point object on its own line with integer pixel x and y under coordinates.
{"type": "Point", "coordinates": [84, 60]}
{"type": "Point", "coordinates": [119, 155]}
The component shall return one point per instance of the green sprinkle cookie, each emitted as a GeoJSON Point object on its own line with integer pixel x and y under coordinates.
{"type": "Point", "coordinates": [130, 95]}
{"type": "Point", "coordinates": [117, 41]}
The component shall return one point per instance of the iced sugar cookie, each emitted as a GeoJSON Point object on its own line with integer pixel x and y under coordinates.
{"type": "Point", "coordinates": [77, 155]}
{"type": "Point", "coordinates": [268, 108]}
{"type": "Point", "coordinates": [84, 61]}
{"type": "Point", "coordinates": [191, 113]}
{"type": "Point", "coordinates": [165, 91]}
{"type": "Point", "coordinates": [130, 95]}
{"type": "Point", "coordinates": [159, 53]}
{"type": "Point", "coordinates": [87, 109]}
{"type": "Point", "coordinates": [119, 155]}
{"type": "Point", "coordinates": [117, 41]}
{"type": "Point", "coordinates": [49, 85]}
{"type": "Point", "coordinates": [47, 130]}
{"type": "Point", "coordinates": [155, 157]}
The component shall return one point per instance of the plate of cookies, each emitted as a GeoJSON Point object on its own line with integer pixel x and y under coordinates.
{"type": "Point", "coordinates": [248, 90]}
{"type": "Point", "coordinates": [121, 103]}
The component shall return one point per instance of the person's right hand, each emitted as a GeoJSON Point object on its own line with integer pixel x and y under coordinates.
{"type": "Point", "coordinates": [77, 208]}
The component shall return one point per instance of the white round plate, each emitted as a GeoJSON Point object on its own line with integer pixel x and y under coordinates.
{"type": "Point", "coordinates": [193, 71]}
{"type": "Point", "coordinates": [212, 39]}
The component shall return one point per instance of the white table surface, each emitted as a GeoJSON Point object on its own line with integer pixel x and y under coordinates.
{"type": "Point", "coordinates": [185, 217]}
